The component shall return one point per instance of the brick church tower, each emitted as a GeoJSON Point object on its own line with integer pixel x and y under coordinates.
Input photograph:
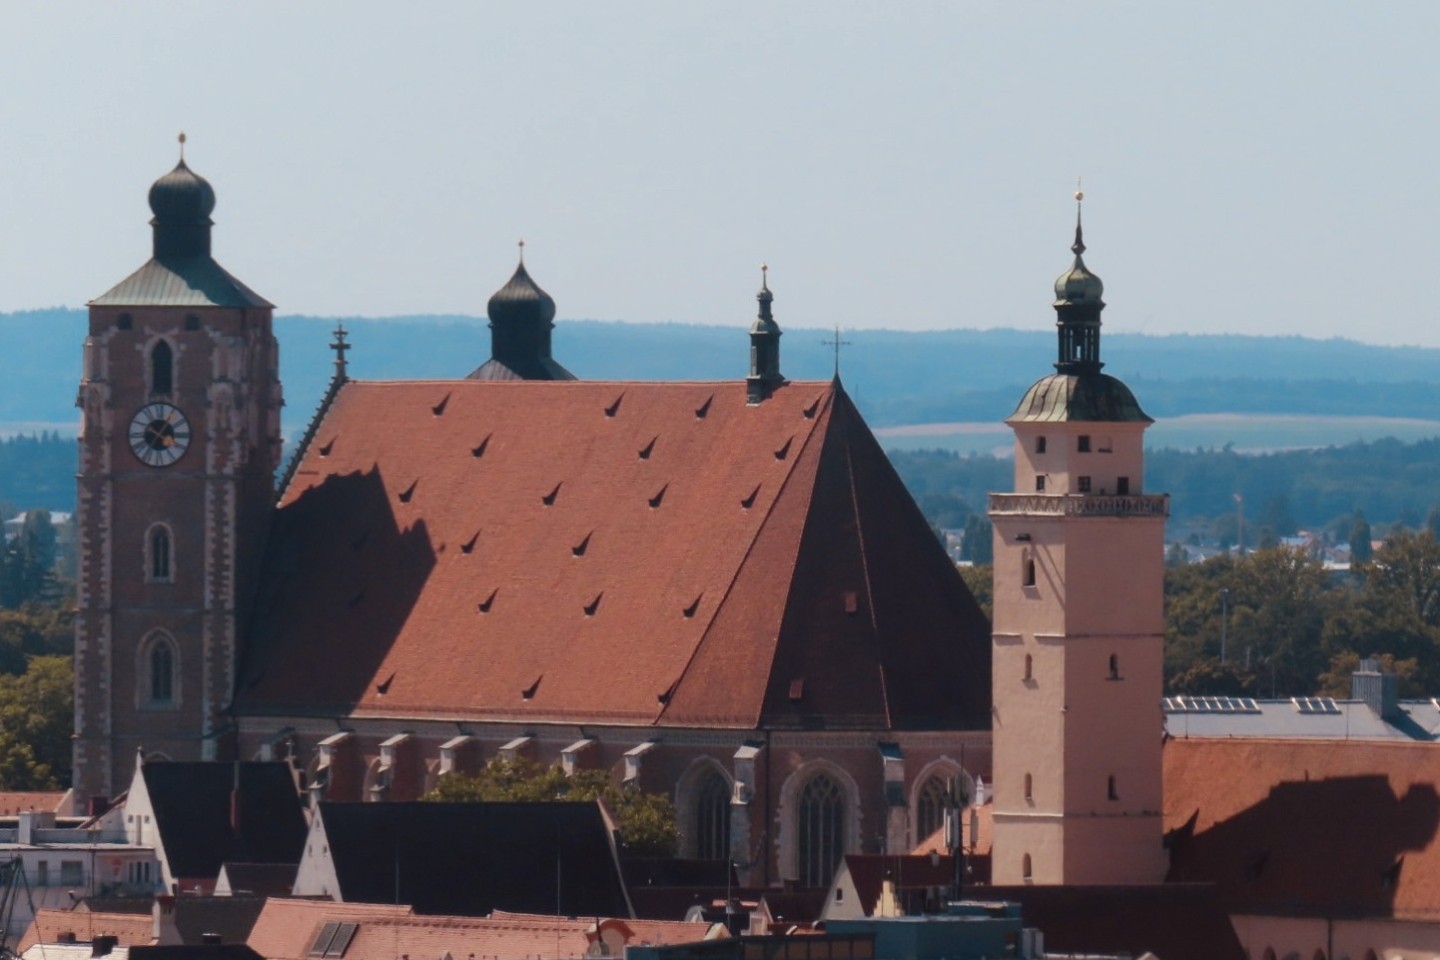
{"type": "Point", "coordinates": [1079, 621]}
{"type": "Point", "coordinates": [179, 441]}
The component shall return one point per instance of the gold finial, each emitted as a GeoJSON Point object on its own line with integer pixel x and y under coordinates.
{"type": "Point", "coordinates": [1079, 193]}
{"type": "Point", "coordinates": [182, 145]}
{"type": "Point", "coordinates": [765, 275]}
{"type": "Point", "coordinates": [522, 251]}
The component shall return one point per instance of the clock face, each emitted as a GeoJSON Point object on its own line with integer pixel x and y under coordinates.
{"type": "Point", "coordinates": [159, 434]}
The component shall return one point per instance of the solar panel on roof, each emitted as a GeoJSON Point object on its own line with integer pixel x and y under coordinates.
{"type": "Point", "coordinates": [1184, 704]}
{"type": "Point", "coordinates": [1315, 705]}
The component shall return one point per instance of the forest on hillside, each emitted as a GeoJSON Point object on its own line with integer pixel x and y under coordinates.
{"type": "Point", "coordinates": [1391, 482]}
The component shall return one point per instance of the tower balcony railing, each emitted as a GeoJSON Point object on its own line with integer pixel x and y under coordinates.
{"type": "Point", "coordinates": [1081, 504]}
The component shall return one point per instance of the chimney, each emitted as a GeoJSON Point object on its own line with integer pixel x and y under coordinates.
{"type": "Point", "coordinates": [102, 945]}
{"type": "Point", "coordinates": [1379, 691]}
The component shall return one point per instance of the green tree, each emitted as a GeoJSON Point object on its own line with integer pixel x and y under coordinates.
{"type": "Point", "coordinates": [980, 578]}
{"type": "Point", "coordinates": [1335, 682]}
{"type": "Point", "coordinates": [36, 710]}
{"type": "Point", "coordinates": [978, 544]}
{"type": "Point", "coordinates": [1360, 536]}
{"type": "Point", "coordinates": [646, 820]}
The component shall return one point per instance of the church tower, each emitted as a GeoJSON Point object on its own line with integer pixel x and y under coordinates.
{"type": "Point", "coordinates": [179, 442]}
{"type": "Point", "coordinates": [1078, 624]}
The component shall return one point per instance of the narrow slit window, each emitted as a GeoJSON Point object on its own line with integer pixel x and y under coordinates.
{"type": "Point", "coordinates": [1029, 667]}
{"type": "Point", "coordinates": [1026, 871]}
{"type": "Point", "coordinates": [1114, 666]}
{"type": "Point", "coordinates": [1039, 444]}
{"type": "Point", "coordinates": [1029, 787]}
{"type": "Point", "coordinates": [162, 368]}
{"type": "Point", "coordinates": [1029, 572]}
{"type": "Point", "coordinates": [1110, 790]}
{"type": "Point", "coordinates": [160, 555]}
{"type": "Point", "coordinates": [162, 673]}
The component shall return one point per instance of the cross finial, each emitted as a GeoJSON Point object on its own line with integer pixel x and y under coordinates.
{"type": "Point", "coordinates": [340, 346]}
{"type": "Point", "coordinates": [764, 276]}
{"type": "Point", "coordinates": [1079, 245]}
{"type": "Point", "coordinates": [522, 251]}
{"type": "Point", "coordinates": [182, 146]}
{"type": "Point", "coordinates": [837, 343]}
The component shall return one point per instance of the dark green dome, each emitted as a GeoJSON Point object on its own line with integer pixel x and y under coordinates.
{"type": "Point", "coordinates": [182, 196]}
{"type": "Point", "coordinates": [1084, 397]}
{"type": "Point", "coordinates": [520, 301]}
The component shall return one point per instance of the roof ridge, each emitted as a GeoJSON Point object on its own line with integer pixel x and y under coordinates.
{"type": "Point", "coordinates": [865, 567]}
{"type": "Point", "coordinates": [829, 397]}
{"type": "Point", "coordinates": [301, 448]}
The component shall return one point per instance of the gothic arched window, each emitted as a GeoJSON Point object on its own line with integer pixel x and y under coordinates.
{"type": "Point", "coordinates": [162, 672]}
{"type": "Point", "coordinates": [930, 808]}
{"type": "Point", "coordinates": [821, 828]}
{"type": "Point", "coordinates": [160, 565]}
{"type": "Point", "coordinates": [712, 817]}
{"type": "Point", "coordinates": [162, 368]}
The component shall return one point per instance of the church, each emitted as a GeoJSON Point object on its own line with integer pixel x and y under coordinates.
{"type": "Point", "coordinates": [720, 591]}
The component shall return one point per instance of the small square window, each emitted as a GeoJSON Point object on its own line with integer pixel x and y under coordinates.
{"type": "Point", "coordinates": [192, 322]}
{"type": "Point", "coordinates": [1084, 443]}
{"type": "Point", "coordinates": [1040, 484]}
{"type": "Point", "coordinates": [125, 322]}
{"type": "Point", "coordinates": [1084, 485]}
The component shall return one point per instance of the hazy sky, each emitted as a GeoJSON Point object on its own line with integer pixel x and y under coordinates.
{"type": "Point", "coordinates": [1249, 166]}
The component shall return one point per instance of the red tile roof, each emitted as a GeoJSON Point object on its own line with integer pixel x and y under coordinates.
{"type": "Point", "coordinates": [630, 552]}
{"type": "Point", "coordinates": [13, 803]}
{"type": "Point", "coordinates": [287, 928]}
{"type": "Point", "coordinates": [1303, 827]}
{"type": "Point", "coordinates": [129, 929]}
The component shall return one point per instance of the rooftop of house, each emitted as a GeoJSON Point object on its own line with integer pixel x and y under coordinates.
{"type": "Point", "coordinates": [1307, 827]}
{"type": "Point", "coordinates": [54, 926]}
{"type": "Point", "coordinates": [293, 929]}
{"type": "Point", "coordinates": [723, 563]}
{"type": "Point", "coordinates": [13, 803]}
{"type": "Point", "coordinates": [212, 813]}
{"type": "Point", "coordinates": [1300, 718]}
{"type": "Point", "coordinates": [468, 859]}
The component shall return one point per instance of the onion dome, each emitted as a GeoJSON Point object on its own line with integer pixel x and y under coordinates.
{"type": "Point", "coordinates": [521, 300]}
{"type": "Point", "coordinates": [1078, 285]}
{"type": "Point", "coordinates": [522, 317]}
{"type": "Point", "coordinates": [182, 196]}
{"type": "Point", "coordinates": [764, 346]}
{"type": "Point", "coordinates": [182, 202]}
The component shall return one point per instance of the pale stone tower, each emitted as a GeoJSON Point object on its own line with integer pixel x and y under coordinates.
{"type": "Point", "coordinates": [179, 441]}
{"type": "Point", "coordinates": [1078, 626]}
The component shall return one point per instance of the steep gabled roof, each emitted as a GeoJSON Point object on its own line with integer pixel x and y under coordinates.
{"type": "Point", "coordinates": [203, 821]}
{"type": "Point", "coordinates": [1307, 828]}
{"type": "Point", "coordinates": [610, 552]}
{"type": "Point", "coordinates": [468, 859]}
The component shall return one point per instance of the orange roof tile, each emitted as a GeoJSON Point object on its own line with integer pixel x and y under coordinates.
{"type": "Point", "coordinates": [287, 928]}
{"type": "Point", "coordinates": [129, 929]}
{"type": "Point", "coordinates": [13, 803]}
{"type": "Point", "coordinates": [1305, 827]}
{"type": "Point", "coordinates": [629, 552]}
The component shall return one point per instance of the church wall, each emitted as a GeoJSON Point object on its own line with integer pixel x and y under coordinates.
{"type": "Point", "coordinates": [777, 771]}
{"type": "Point", "coordinates": [1336, 939]}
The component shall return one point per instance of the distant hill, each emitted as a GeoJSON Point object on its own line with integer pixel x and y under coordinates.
{"type": "Point", "coordinates": [896, 377]}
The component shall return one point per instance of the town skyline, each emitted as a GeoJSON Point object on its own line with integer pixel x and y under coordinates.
{"type": "Point", "coordinates": [896, 172]}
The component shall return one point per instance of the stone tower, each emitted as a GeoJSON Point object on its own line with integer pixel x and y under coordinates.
{"type": "Point", "coordinates": [1078, 623]}
{"type": "Point", "coordinates": [179, 441]}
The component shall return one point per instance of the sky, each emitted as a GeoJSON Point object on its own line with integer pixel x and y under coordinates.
{"type": "Point", "coordinates": [1248, 167]}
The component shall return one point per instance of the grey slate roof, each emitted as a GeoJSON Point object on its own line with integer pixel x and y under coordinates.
{"type": "Point", "coordinates": [191, 282]}
{"type": "Point", "coordinates": [468, 859]}
{"type": "Point", "coordinates": [1298, 718]}
{"type": "Point", "coordinates": [194, 808]}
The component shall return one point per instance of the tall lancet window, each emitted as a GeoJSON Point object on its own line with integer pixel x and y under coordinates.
{"type": "Point", "coordinates": [930, 810]}
{"type": "Point", "coordinates": [822, 831]}
{"type": "Point", "coordinates": [712, 817]}
{"type": "Point", "coordinates": [162, 368]}
{"type": "Point", "coordinates": [160, 566]}
{"type": "Point", "coordinates": [162, 672]}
